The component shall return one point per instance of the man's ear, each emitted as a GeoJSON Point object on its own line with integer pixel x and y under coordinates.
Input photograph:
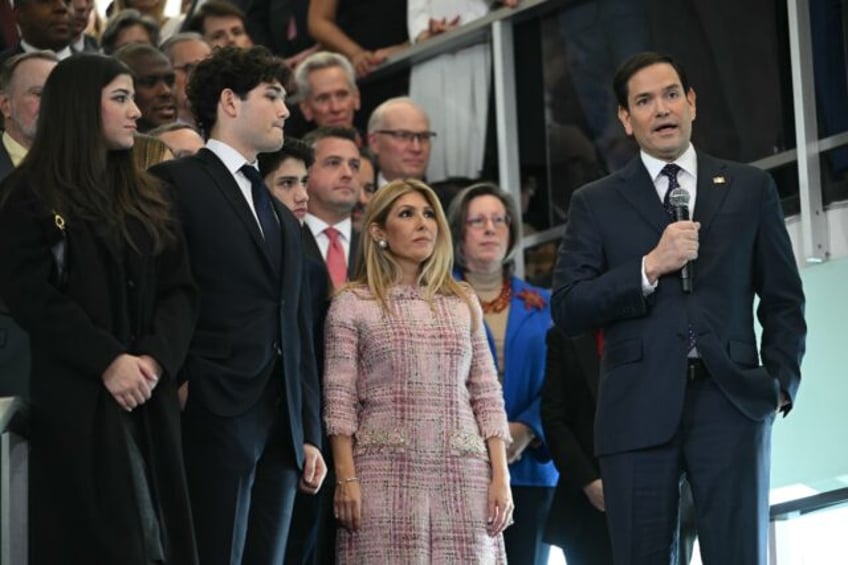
{"type": "Point", "coordinates": [690, 98]}
{"type": "Point", "coordinates": [5, 106]}
{"type": "Point", "coordinates": [624, 118]}
{"type": "Point", "coordinates": [229, 103]}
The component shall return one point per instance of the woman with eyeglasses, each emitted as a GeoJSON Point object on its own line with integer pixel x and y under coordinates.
{"type": "Point", "coordinates": [517, 316]}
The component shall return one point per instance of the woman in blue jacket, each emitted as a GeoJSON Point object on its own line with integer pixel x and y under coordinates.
{"type": "Point", "coordinates": [517, 317]}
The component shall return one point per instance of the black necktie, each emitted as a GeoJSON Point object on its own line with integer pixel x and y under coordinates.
{"type": "Point", "coordinates": [265, 213]}
{"type": "Point", "coordinates": [671, 170]}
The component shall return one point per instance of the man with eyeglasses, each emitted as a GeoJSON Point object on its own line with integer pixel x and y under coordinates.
{"type": "Point", "coordinates": [399, 136]}
{"type": "Point", "coordinates": [154, 79]}
{"type": "Point", "coordinates": [185, 50]}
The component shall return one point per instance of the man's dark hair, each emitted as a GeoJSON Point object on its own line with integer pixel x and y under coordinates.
{"type": "Point", "coordinates": [316, 135]}
{"type": "Point", "coordinates": [215, 8]}
{"type": "Point", "coordinates": [635, 64]}
{"type": "Point", "coordinates": [240, 70]}
{"type": "Point", "coordinates": [292, 149]}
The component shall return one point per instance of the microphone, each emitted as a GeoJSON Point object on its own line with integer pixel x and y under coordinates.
{"type": "Point", "coordinates": [679, 200]}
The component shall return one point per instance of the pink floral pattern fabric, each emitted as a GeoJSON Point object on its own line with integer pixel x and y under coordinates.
{"type": "Point", "coordinates": [418, 391]}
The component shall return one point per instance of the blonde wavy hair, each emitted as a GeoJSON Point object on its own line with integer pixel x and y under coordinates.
{"type": "Point", "coordinates": [379, 271]}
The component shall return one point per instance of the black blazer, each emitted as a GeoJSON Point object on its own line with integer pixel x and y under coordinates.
{"type": "Point", "coordinates": [249, 312]}
{"type": "Point", "coordinates": [744, 252]}
{"type": "Point", "coordinates": [568, 418]}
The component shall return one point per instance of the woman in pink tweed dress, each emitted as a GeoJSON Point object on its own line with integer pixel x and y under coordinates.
{"type": "Point", "coordinates": [414, 409]}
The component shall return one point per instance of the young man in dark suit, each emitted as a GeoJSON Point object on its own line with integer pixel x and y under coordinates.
{"type": "Point", "coordinates": [251, 427]}
{"type": "Point", "coordinates": [682, 387]}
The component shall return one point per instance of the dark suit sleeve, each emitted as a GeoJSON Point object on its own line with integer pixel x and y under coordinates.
{"type": "Point", "coordinates": [589, 293]}
{"type": "Point", "coordinates": [309, 371]}
{"type": "Point", "coordinates": [781, 307]}
{"type": "Point", "coordinates": [559, 395]}
{"type": "Point", "coordinates": [176, 308]}
{"type": "Point", "coordinates": [48, 315]}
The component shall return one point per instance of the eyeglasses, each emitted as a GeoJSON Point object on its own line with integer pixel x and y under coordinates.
{"type": "Point", "coordinates": [480, 222]}
{"type": "Point", "coordinates": [405, 136]}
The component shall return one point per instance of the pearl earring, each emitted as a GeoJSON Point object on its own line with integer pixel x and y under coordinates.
{"type": "Point", "coordinates": [383, 244]}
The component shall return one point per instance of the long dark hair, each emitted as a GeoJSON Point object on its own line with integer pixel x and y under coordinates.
{"type": "Point", "coordinates": [73, 171]}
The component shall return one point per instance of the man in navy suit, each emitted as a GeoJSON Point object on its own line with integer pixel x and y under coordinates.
{"type": "Point", "coordinates": [683, 387]}
{"type": "Point", "coordinates": [251, 427]}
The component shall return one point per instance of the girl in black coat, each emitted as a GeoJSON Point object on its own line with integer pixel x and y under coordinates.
{"type": "Point", "coordinates": [93, 268]}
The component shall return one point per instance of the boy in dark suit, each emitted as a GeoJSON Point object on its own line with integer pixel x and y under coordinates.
{"type": "Point", "coordinates": [251, 427]}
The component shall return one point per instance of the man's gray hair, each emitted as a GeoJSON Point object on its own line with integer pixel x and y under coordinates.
{"type": "Point", "coordinates": [169, 44]}
{"type": "Point", "coordinates": [10, 65]}
{"type": "Point", "coordinates": [318, 61]}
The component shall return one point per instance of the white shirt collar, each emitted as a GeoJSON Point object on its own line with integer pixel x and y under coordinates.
{"type": "Point", "coordinates": [62, 54]}
{"type": "Point", "coordinates": [317, 226]}
{"type": "Point", "coordinates": [688, 161]}
{"type": "Point", "coordinates": [231, 158]}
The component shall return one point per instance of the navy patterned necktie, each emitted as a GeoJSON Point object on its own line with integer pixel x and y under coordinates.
{"type": "Point", "coordinates": [265, 212]}
{"type": "Point", "coordinates": [671, 171]}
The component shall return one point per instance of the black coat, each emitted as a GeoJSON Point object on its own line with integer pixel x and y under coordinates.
{"type": "Point", "coordinates": [115, 300]}
{"type": "Point", "coordinates": [568, 413]}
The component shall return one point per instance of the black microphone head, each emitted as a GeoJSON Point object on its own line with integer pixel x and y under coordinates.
{"type": "Point", "coordinates": [679, 198]}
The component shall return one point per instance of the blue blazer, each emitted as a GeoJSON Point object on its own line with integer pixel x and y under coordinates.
{"type": "Point", "coordinates": [524, 375]}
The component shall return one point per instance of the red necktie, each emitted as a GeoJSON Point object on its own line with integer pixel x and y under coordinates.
{"type": "Point", "coordinates": [336, 263]}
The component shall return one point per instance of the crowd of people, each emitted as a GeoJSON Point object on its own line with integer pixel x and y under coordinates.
{"type": "Point", "coordinates": [254, 330]}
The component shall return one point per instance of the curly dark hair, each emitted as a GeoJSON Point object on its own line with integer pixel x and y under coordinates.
{"type": "Point", "coordinates": [240, 70]}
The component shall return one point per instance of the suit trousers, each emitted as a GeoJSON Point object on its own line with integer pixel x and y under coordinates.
{"type": "Point", "coordinates": [523, 539]}
{"type": "Point", "coordinates": [725, 457]}
{"type": "Point", "coordinates": [242, 480]}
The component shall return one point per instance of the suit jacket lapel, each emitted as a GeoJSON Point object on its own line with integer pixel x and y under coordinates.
{"type": "Point", "coordinates": [637, 187]}
{"type": "Point", "coordinates": [713, 186]}
{"type": "Point", "coordinates": [224, 181]}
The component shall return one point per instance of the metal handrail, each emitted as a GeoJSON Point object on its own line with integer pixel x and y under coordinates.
{"type": "Point", "coordinates": [808, 504]}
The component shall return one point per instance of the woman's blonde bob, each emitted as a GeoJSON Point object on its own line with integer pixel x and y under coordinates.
{"type": "Point", "coordinates": [378, 270]}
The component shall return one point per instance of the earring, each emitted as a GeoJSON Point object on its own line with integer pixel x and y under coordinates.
{"type": "Point", "coordinates": [383, 244]}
